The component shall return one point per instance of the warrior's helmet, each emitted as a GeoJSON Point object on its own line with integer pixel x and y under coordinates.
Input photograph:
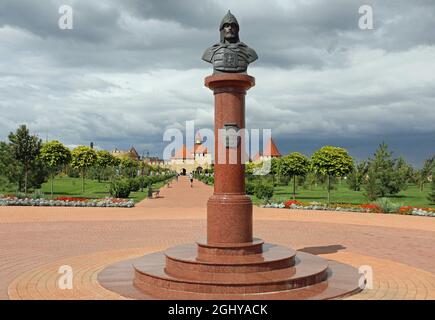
{"type": "Point", "coordinates": [229, 18]}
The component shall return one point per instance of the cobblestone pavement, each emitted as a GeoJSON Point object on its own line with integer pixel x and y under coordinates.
{"type": "Point", "coordinates": [35, 242]}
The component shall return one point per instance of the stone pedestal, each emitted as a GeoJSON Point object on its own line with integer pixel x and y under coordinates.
{"type": "Point", "coordinates": [229, 210]}
{"type": "Point", "coordinates": [230, 263]}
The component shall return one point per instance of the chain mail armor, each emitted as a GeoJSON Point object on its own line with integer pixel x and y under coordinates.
{"type": "Point", "coordinates": [229, 57]}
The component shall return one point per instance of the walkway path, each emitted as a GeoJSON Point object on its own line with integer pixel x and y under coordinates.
{"type": "Point", "coordinates": [36, 241]}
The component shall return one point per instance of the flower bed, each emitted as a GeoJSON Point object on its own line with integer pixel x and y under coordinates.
{"type": "Point", "coordinates": [69, 199]}
{"type": "Point", "coordinates": [67, 202]}
{"type": "Point", "coordinates": [346, 207]}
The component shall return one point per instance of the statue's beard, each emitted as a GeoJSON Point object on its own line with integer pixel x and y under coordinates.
{"type": "Point", "coordinates": [231, 37]}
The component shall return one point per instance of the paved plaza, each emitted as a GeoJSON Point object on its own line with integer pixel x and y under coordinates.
{"type": "Point", "coordinates": [36, 241]}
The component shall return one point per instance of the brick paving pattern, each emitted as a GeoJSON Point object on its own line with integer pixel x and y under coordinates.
{"type": "Point", "coordinates": [35, 242]}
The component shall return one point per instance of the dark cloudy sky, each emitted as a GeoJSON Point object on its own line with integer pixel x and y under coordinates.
{"type": "Point", "coordinates": [132, 68]}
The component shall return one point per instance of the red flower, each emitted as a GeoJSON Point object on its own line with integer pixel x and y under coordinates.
{"type": "Point", "coordinates": [117, 200]}
{"type": "Point", "coordinates": [288, 203]}
{"type": "Point", "coordinates": [71, 199]}
{"type": "Point", "coordinates": [405, 209]}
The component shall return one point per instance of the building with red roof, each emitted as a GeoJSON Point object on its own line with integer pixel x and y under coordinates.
{"type": "Point", "coordinates": [270, 151]}
{"type": "Point", "coordinates": [196, 159]}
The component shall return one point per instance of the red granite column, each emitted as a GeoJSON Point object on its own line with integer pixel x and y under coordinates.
{"type": "Point", "coordinates": [229, 210]}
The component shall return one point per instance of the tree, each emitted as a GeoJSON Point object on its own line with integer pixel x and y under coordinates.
{"type": "Point", "coordinates": [372, 185]}
{"type": "Point", "coordinates": [129, 167]}
{"type": "Point", "coordinates": [385, 174]}
{"type": "Point", "coordinates": [355, 179]}
{"type": "Point", "coordinates": [274, 168]}
{"type": "Point", "coordinates": [12, 171]}
{"type": "Point", "coordinates": [145, 169]}
{"type": "Point", "coordinates": [9, 167]}
{"type": "Point", "coordinates": [331, 162]}
{"type": "Point", "coordinates": [293, 165]}
{"type": "Point", "coordinates": [38, 174]}
{"type": "Point", "coordinates": [424, 173]}
{"type": "Point", "coordinates": [403, 174]}
{"type": "Point", "coordinates": [83, 158]}
{"type": "Point", "coordinates": [105, 160]}
{"type": "Point", "coordinates": [54, 155]}
{"type": "Point", "coordinates": [251, 167]}
{"type": "Point", "coordinates": [25, 149]}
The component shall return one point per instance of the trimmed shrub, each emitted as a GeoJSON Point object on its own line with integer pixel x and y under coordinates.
{"type": "Point", "coordinates": [143, 181]}
{"type": "Point", "coordinates": [120, 188]}
{"type": "Point", "coordinates": [135, 184]}
{"type": "Point", "coordinates": [250, 187]}
{"type": "Point", "coordinates": [264, 191]}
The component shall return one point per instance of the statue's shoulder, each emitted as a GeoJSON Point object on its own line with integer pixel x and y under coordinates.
{"type": "Point", "coordinates": [209, 52]}
{"type": "Point", "coordinates": [252, 55]}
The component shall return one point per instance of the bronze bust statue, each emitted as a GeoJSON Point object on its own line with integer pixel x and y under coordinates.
{"type": "Point", "coordinates": [230, 54]}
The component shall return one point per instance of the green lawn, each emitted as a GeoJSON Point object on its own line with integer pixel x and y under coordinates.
{"type": "Point", "coordinates": [411, 196]}
{"type": "Point", "coordinates": [72, 187]}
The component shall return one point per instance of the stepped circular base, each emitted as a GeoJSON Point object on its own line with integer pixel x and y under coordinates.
{"type": "Point", "coordinates": [207, 248]}
{"type": "Point", "coordinates": [275, 273]}
{"type": "Point", "coordinates": [185, 258]}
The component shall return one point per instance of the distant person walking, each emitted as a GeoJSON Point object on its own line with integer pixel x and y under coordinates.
{"type": "Point", "coordinates": [191, 179]}
{"type": "Point", "coordinates": [176, 177]}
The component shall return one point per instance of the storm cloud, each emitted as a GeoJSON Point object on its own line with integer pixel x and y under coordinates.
{"type": "Point", "coordinates": [131, 69]}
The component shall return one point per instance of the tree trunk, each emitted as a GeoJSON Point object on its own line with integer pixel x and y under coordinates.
{"type": "Point", "coordinates": [329, 189]}
{"type": "Point", "coordinates": [294, 187]}
{"type": "Point", "coordinates": [52, 178]}
{"type": "Point", "coordinates": [83, 182]}
{"type": "Point", "coordinates": [141, 180]}
{"type": "Point", "coordinates": [25, 178]}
